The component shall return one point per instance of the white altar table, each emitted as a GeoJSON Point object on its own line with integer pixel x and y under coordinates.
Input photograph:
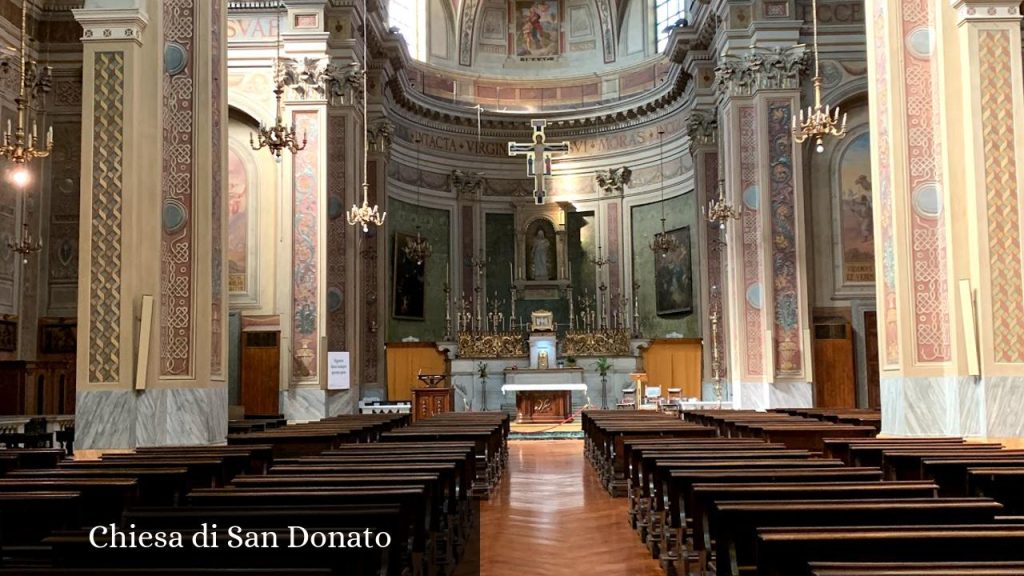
{"type": "Point", "coordinates": [543, 403]}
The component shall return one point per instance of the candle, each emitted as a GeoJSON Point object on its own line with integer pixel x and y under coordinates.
{"type": "Point", "coordinates": [49, 136]}
{"type": "Point", "coordinates": [511, 276]}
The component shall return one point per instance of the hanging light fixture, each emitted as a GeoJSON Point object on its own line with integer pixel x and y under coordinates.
{"type": "Point", "coordinates": [663, 244]}
{"type": "Point", "coordinates": [19, 147]}
{"type": "Point", "coordinates": [278, 138]}
{"type": "Point", "coordinates": [25, 246]}
{"type": "Point", "coordinates": [719, 210]}
{"type": "Point", "coordinates": [365, 215]}
{"type": "Point", "coordinates": [820, 121]}
{"type": "Point", "coordinates": [420, 248]}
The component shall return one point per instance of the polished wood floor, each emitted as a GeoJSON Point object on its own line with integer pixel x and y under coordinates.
{"type": "Point", "coordinates": [551, 516]}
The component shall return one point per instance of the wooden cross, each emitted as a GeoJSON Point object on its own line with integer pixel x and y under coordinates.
{"type": "Point", "coordinates": [534, 150]}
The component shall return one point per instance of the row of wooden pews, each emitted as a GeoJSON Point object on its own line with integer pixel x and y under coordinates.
{"type": "Point", "coordinates": [344, 474]}
{"type": "Point", "coordinates": [800, 494]}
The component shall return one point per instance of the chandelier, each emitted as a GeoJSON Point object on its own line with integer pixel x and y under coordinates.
{"type": "Point", "coordinates": [719, 210]}
{"type": "Point", "coordinates": [25, 246]}
{"type": "Point", "coordinates": [820, 121]}
{"type": "Point", "coordinates": [663, 244]}
{"type": "Point", "coordinates": [278, 138]}
{"type": "Point", "coordinates": [365, 215]}
{"type": "Point", "coordinates": [18, 146]}
{"type": "Point", "coordinates": [420, 248]}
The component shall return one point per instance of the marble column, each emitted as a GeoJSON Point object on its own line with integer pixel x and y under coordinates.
{"type": "Point", "coordinates": [152, 333]}
{"type": "Point", "coordinates": [947, 216]}
{"type": "Point", "coordinates": [768, 328]}
{"type": "Point", "coordinates": [308, 278]}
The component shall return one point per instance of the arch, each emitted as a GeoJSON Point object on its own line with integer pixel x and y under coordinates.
{"type": "Point", "coordinates": [247, 106]}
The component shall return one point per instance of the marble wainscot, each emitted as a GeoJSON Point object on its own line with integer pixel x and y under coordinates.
{"type": "Point", "coordinates": [768, 395]}
{"type": "Point", "coordinates": [989, 406]}
{"type": "Point", "coordinates": [122, 419]}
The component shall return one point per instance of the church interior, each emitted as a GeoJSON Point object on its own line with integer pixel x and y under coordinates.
{"type": "Point", "coordinates": [456, 287]}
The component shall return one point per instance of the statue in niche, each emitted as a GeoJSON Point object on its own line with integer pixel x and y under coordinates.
{"type": "Point", "coordinates": [541, 251]}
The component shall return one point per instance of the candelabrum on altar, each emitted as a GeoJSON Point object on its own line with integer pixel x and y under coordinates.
{"type": "Point", "coordinates": [637, 333]}
{"type": "Point", "coordinates": [716, 358]}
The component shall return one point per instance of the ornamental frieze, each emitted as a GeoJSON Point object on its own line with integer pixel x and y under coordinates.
{"type": "Point", "coordinates": [760, 69]}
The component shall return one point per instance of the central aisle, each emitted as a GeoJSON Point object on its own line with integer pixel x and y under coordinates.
{"type": "Point", "coordinates": [551, 516]}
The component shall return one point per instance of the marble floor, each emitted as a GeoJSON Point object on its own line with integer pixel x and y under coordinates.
{"type": "Point", "coordinates": [551, 516]}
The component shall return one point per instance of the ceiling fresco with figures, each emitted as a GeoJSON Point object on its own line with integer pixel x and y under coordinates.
{"type": "Point", "coordinates": [526, 38]}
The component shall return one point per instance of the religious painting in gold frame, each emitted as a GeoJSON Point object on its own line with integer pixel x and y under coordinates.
{"type": "Point", "coordinates": [673, 276]}
{"type": "Point", "coordinates": [537, 29]}
{"type": "Point", "coordinates": [408, 282]}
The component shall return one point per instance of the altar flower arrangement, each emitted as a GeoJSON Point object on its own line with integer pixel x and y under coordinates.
{"type": "Point", "coordinates": [603, 365]}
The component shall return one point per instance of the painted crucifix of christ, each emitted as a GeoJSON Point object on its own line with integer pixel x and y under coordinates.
{"type": "Point", "coordinates": [538, 149]}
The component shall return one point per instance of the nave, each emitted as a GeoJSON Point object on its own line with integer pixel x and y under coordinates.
{"type": "Point", "coordinates": [552, 516]}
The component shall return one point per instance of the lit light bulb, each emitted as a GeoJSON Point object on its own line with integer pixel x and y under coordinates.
{"type": "Point", "coordinates": [820, 147]}
{"type": "Point", "coordinates": [20, 177]}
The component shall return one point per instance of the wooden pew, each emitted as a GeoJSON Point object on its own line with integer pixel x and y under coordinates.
{"type": "Point", "coordinates": [917, 568]}
{"type": "Point", "coordinates": [734, 525]}
{"type": "Point", "coordinates": [1003, 484]}
{"type": "Point", "coordinates": [789, 551]}
{"type": "Point", "coordinates": [74, 550]}
{"type": "Point", "coordinates": [704, 496]}
{"type": "Point", "coordinates": [413, 500]}
{"type": "Point", "coordinates": [156, 486]}
{"type": "Point", "coordinates": [680, 484]}
{"type": "Point", "coordinates": [103, 500]}
{"type": "Point", "coordinates": [840, 447]}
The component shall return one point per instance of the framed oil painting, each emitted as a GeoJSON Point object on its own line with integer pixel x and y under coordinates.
{"type": "Point", "coordinates": [852, 219]}
{"type": "Point", "coordinates": [408, 282]}
{"type": "Point", "coordinates": [538, 28]}
{"type": "Point", "coordinates": [673, 277]}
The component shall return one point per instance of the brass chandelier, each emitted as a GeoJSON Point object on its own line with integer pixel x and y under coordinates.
{"type": "Point", "coordinates": [365, 215]}
{"type": "Point", "coordinates": [25, 246]}
{"type": "Point", "coordinates": [20, 147]}
{"type": "Point", "coordinates": [420, 248]}
{"type": "Point", "coordinates": [820, 121]}
{"type": "Point", "coordinates": [279, 137]}
{"type": "Point", "coordinates": [663, 244]}
{"type": "Point", "coordinates": [719, 210]}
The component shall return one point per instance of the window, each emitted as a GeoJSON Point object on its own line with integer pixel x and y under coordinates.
{"type": "Point", "coordinates": [410, 17]}
{"type": "Point", "coordinates": [666, 14]}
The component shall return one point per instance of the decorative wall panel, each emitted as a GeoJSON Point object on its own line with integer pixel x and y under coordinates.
{"type": "Point", "coordinates": [177, 250]}
{"type": "Point", "coordinates": [217, 315]}
{"type": "Point", "coordinates": [107, 164]}
{"type": "Point", "coordinates": [751, 242]}
{"type": "Point", "coordinates": [785, 268]}
{"type": "Point", "coordinates": [62, 247]}
{"type": "Point", "coordinates": [888, 323]}
{"type": "Point", "coordinates": [924, 184]}
{"type": "Point", "coordinates": [1001, 196]}
{"type": "Point", "coordinates": [716, 268]}
{"type": "Point", "coordinates": [337, 229]}
{"type": "Point", "coordinates": [305, 230]}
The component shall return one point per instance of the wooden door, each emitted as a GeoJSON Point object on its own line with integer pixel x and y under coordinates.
{"type": "Point", "coordinates": [871, 358]}
{"type": "Point", "coordinates": [260, 373]}
{"type": "Point", "coordinates": [834, 382]}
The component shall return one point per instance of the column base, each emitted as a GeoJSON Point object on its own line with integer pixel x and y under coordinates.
{"type": "Point", "coordinates": [768, 395]}
{"type": "Point", "coordinates": [126, 419]}
{"type": "Point", "coordinates": [953, 406]}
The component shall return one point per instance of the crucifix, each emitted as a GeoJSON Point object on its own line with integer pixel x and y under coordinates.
{"type": "Point", "coordinates": [534, 150]}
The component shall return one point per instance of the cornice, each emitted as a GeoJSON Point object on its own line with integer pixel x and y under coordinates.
{"type": "Point", "coordinates": [111, 24]}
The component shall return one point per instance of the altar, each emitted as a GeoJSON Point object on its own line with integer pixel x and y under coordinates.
{"type": "Point", "coordinates": [543, 396]}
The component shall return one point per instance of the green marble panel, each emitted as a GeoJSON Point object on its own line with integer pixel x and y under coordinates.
{"type": "Point", "coordinates": [646, 220]}
{"type": "Point", "coordinates": [435, 225]}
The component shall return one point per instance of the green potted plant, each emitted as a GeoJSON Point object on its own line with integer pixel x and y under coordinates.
{"type": "Point", "coordinates": [603, 365]}
{"type": "Point", "coordinates": [570, 361]}
{"type": "Point", "coordinates": [481, 370]}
